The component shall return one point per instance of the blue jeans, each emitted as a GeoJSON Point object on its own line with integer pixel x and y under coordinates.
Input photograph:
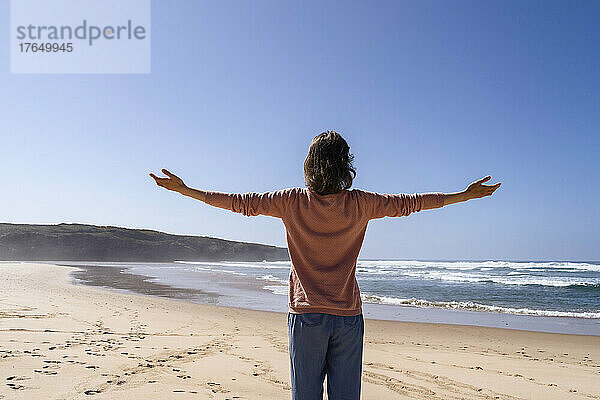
{"type": "Point", "coordinates": [325, 344]}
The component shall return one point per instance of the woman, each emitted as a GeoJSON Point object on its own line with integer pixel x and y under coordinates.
{"type": "Point", "coordinates": [325, 225]}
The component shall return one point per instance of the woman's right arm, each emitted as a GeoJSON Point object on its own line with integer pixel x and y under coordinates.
{"type": "Point", "coordinates": [249, 204]}
{"type": "Point", "coordinates": [176, 184]}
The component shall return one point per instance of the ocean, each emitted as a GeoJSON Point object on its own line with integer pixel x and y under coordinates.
{"type": "Point", "coordinates": [476, 291]}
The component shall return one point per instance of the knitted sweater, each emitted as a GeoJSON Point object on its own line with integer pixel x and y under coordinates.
{"type": "Point", "coordinates": [324, 235]}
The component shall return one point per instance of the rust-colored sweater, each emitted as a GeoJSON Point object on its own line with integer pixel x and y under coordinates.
{"type": "Point", "coordinates": [324, 236]}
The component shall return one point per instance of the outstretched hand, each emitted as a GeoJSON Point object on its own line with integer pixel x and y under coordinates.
{"type": "Point", "coordinates": [477, 189]}
{"type": "Point", "coordinates": [173, 182]}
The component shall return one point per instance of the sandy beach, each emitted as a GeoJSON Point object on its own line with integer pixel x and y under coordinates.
{"type": "Point", "coordinates": [59, 340]}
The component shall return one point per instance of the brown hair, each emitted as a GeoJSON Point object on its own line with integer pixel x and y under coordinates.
{"type": "Point", "coordinates": [328, 166]}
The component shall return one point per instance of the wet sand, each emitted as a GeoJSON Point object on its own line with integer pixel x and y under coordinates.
{"type": "Point", "coordinates": [118, 278]}
{"type": "Point", "coordinates": [59, 340]}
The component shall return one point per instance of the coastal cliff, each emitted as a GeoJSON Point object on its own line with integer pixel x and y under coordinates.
{"type": "Point", "coordinates": [78, 242]}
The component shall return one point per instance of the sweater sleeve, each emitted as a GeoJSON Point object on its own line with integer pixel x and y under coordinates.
{"type": "Point", "coordinates": [251, 204]}
{"type": "Point", "coordinates": [377, 205]}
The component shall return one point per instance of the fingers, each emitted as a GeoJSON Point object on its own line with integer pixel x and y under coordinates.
{"type": "Point", "coordinates": [156, 178]}
{"type": "Point", "coordinates": [169, 174]}
{"type": "Point", "coordinates": [495, 186]}
{"type": "Point", "coordinates": [165, 172]}
{"type": "Point", "coordinates": [159, 181]}
{"type": "Point", "coordinates": [485, 179]}
{"type": "Point", "coordinates": [491, 188]}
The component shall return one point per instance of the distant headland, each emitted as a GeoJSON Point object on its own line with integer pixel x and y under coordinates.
{"type": "Point", "coordinates": [79, 242]}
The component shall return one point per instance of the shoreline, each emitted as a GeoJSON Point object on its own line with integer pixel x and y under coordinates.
{"type": "Point", "coordinates": [117, 277]}
{"type": "Point", "coordinates": [68, 341]}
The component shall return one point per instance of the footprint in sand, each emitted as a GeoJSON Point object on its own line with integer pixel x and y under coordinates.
{"type": "Point", "coordinates": [17, 378]}
{"type": "Point", "coordinates": [215, 387]}
{"type": "Point", "coordinates": [45, 372]}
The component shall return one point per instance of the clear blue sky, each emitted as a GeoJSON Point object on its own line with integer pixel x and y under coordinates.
{"type": "Point", "coordinates": [430, 96]}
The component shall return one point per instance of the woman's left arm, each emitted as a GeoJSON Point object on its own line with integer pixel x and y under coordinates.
{"type": "Point", "coordinates": [475, 190]}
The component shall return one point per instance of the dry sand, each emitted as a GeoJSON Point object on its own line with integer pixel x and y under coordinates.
{"type": "Point", "coordinates": [65, 341]}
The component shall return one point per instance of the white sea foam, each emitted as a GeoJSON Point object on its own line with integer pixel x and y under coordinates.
{"type": "Point", "coordinates": [471, 306]}
{"type": "Point", "coordinates": [227, 271]}
{"type": "Point", "coordinates": [484, 275]}
{"type": "Point", "coordinates": [557, 281]}
{"type": "Point", "coordinates": [277, 289]}
{"type": "Point", "coordinates": [272, 278]}
{"type": "Point", "coordinates": [241, 264]}
{"type": "Point", "coordinates": [198, 268]}
{"type": "Point", "coordinates": [282, 288]}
